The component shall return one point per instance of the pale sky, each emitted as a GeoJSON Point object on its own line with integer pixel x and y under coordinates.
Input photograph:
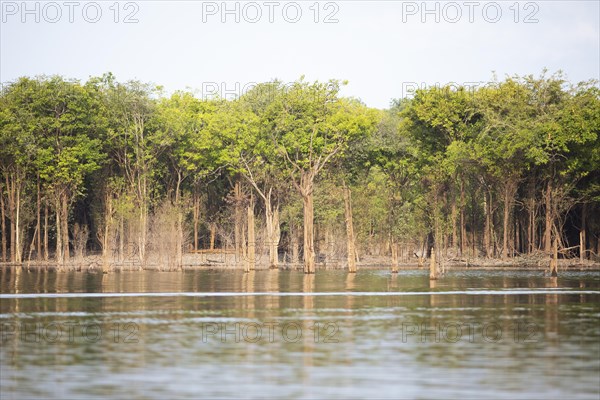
{"type": "Point", "coordinates": [383, 48]}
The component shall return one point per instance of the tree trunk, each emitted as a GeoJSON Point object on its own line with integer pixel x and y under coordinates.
{"type": "Point", "coordinates": [463, 228]}
{"type": "Point", "coordinates": [581, 247]}
{"type": "Point", "coordinates": [554, 260]}
{"type": "Point", "coordinates": [3, 223]}
{"type": "Point", "coordinates": [549, 218]}
{"type": "Point", "coordinates": [237, 192]}
{"type": "Point", "coordinates": [349, 230]}
{"type": "Point", "coordinates": [65, 226]}
{"type": "Point", "coordinates": [59, 236]}
{"type": "Point", "coordinates": [18, 239]}
{"type": "Point", "coordinates": [394, 247]}
{"type": "Point", "coordinates": [531, 229]}
{"type": "Point", "coordinates": [142, 231]}
{"type": "Point", "coordinates": [307, 198]}
{"type": "Point", "coordinates": [196, 217]}
{"type": "Point", "coordinates": [432, 266]}
{"type": "Point", "coordinates": [294, 244]}
{"type": "Point", "coordinates": [273, 230]}
{"type": "Point", "coordinates": [505, 223]}
{"type": "Point", "coordinates": [213, 230]}
{"type": "Point", "coordinates": [179, 228]}
{"type": "Point", "coordinates": [309, 251]}
{"type": "Point", "coordinates": [251, 260]}
{"type": "Point", "coordinates": [46, 249]}
{"type": "Point", "coordinates": [517, 248]}
{"type": "Point", "coordinates": [106, 240]}
{"type": "Point", "coordinates": [486, 227]}
{"type": "Point", "coordinates": [10, 191]}
{"type": "Point", "coordinates": [121, 239]}
{"type": "Point", "coordinates": [473, 229]}
{"type": "Point", "coordinates": [582, 234]}
{"type": "Point", "coordinates": [454, 230]}
{"type": "Point", "coordinates": [329, 246]}
{"type": "Point", "coordinates": [508, 190]}
{"type": "Point", "coordinates": [38, 225]}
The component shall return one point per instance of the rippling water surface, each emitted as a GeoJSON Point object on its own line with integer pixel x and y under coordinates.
{"type": "Point", "coordinates": [274, 334]}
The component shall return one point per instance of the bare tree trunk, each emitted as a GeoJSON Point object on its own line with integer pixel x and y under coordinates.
{"type": "Point", "coordinates": [18, 244]}
{"type": "Point", "coordinates": [349, 230]}
{"type": "Point", "coordinates": [213, 232]}
{"type": "Point", "coordinates": [582, 234]}
{"type": "Point", "coordinates": [294, 244]}
{"type": "Point", "coordinates": [394, 247]}
{"type": "Point", "coordinates": [46, 249]}
{"type": "Point", "coordinates": [531, 228]}
{"type": "Point", "coordinates": [179, 210]}
{"type": "Point", "coordinates": [554, 260]}
{"type": "Point", "coordinates": [549, 219]}
{"type": "Point", "coordinates": [309, 251]}
{"type": "Point", "coordinates": [121, 238]}
{"type": "Point", "coordinates": [517, 248]}
{"type": "Point", "coordinates": [251, 236]}
{"type": "Point", "coordinates": [329, 246]}
{"type": "Point", "coordinates": [143, 218]}
{"type": "Point", "coordinates": [238, 221]}
{"type": "Point", "coordinates": [581, 246]}
{"type": "Point", "coordinates": [106, 239]}
{"type": "Point", "coordinates": [473, 231]}
{"type": "Point", "coordinates": [486, 228]}
{"type": "Point", "coordinates": [59, 237]}
{"type": "Point", "coordinates": [196, 218]}
{"type": "Point", "coordinates": [454, 230]}
{"type": "Point", "coordinates": [432, 266]}
{"type": "Point", "coordinates": [38, 225]}
{"type": "Point", "coordinates": [307, 197]}
{"type": "Point", "coordinates": [10, 191]}
{"type": "Point", "coordinates": [505, 222]}
{"type": "Point", "coordinates": [463, 228]}
{"type": "Point", "coordinates": [65, 226]}
{"type": "Point", "coordinates": [3, 223]}
{"type": "Point", "coordinates": [531, 232]}
{"type": "Point", "coordinates": [273, 230]}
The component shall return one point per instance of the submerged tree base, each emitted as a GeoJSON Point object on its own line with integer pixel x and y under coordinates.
{"type": "Point", "coordinates": [223, 260]}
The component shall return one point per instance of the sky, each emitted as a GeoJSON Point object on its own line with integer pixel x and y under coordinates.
{"type": "Point", "coordinates": [384, 49]}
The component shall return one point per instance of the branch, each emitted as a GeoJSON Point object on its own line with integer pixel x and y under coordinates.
{"type": "Point", "coordinates": [250, 178]}
{"type": "Point", "coordinates": [327, 158]}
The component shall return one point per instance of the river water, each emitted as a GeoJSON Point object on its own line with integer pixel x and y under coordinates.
{"type": "Point", "coordinates": [282, 334]}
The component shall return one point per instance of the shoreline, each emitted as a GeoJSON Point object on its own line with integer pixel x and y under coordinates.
{"type": "Point", "coordinates": [192, 262]}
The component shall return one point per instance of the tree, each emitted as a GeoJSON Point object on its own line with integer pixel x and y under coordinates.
{"type": "Point", "coordinates": [191, 149]}
{"type": "Point", "coordinates": [137, 148]}
{"type": "Point", "coordinates": [502, 146]}
{"type": "Point", "coordinates": [438, 120]}
{"type": "Point", "coordinates": [311, 125]}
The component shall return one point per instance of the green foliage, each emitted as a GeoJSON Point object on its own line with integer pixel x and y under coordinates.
{"type": "Point", "coordinates": [405, 166]}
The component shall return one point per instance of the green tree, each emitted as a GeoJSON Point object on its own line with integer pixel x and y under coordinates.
{"type": "Point", "coordinates": [311, 125]}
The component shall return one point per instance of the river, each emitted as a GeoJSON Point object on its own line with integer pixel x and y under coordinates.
{"type": "Point", "coordinates": [283, 334]}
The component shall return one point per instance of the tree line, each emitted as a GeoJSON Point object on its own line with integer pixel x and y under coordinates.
{"type": "Point", "coordinates": [297, 172]}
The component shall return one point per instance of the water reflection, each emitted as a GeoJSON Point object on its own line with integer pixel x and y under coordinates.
{"type": "Point", "coordinates": [440, 344]}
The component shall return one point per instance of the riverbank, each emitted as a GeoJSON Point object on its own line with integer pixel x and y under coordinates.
{"type": "Point", "coordinates": [227, 261]}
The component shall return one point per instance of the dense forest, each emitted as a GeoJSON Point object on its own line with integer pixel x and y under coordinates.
{"type": "Point", "coordinates": [297, 174]}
